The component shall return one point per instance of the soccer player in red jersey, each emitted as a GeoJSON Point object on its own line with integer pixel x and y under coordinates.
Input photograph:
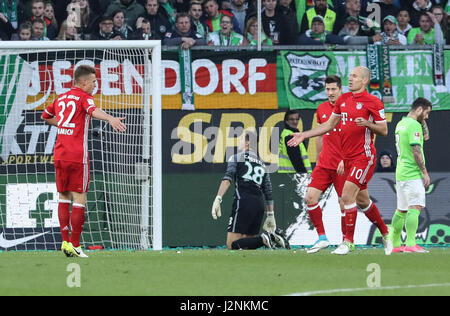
{"type": "Point", "coordinates": [71, 112]}
{"type": "Point", "coordinates": [330, 166]}
{"type": "Point", "coordinates": [361, 116]}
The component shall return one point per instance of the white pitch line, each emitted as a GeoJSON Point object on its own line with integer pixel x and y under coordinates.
{"type": "Point", "coordinates": [395, 287]}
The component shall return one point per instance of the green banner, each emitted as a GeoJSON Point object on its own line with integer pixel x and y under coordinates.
{"type": "Point", "coordinates": [301, 74]}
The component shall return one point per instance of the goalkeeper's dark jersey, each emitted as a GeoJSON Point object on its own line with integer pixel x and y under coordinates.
{"type": "Point", "coordinates": [249, 175]}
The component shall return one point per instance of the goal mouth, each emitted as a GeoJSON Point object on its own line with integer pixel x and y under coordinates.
{"type": "Point", "coordinates": [124, 200]}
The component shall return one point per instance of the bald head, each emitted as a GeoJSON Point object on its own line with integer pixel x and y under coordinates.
{"type": "Point", "coordinates": [359, 79]}
{"type": "Point", "coordinates": [363, 71]}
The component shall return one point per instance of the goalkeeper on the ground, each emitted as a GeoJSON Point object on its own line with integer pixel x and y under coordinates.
{"type": "Point", "coordinates": [253, 195]}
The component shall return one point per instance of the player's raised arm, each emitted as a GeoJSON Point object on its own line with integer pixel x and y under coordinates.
{"type": "Point", "coordinates": [297, 138]}
{"type": "Point", "coordinates": [115, 122]}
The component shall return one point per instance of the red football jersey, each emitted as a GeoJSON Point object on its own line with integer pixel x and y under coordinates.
{"type": "Point", "coordinates": [73, 110]}
{"type": "Point", "coordinates": [331, 153]}
{"type": "Point", "coordinates": [358, 140]}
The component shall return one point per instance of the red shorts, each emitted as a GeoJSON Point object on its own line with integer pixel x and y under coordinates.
{"type": "Point", "coordinates": [360, 171]}
{"type": "Point", "coordinates": [322, 178]}
{"type": "Point", "coordinates": [72, 176]}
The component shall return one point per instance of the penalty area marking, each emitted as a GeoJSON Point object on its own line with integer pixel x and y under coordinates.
{"type": "Point", "coordinates": [395, 287]}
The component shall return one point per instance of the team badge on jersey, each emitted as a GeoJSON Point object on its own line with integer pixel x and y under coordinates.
{"type": "Point", "coordinates": [359, 106]}
{"type": "Point", "coordinates": [416, 136]}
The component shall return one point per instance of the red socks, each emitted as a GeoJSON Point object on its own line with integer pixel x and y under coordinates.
{"type": "Point", "coordinates": [64, 218]}
{"type": "Point", "coordinates": [373, 214]}
{"type": "Point", "coordinates": [351, 212]}
{"type": "Point", "coordinates": [77, 221]}
{"type": "Point", "coordinates": [348, 221]}
{"type": "Point", "coordinates": [343, 227]}
{"type": "Point", "coordinates": [315, 214]}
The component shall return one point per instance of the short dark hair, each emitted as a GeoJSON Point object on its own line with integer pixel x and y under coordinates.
{"type": "Point", "coordinates": [421, 102]}
{"type": "Point", "coordinates": [334, 79]}
{"type": "Point", "coordinates": [81, 71]}
{"type": "Point", "coordinates": [289, 113]}
{"type": "Point", "coordinates": [180, 15]}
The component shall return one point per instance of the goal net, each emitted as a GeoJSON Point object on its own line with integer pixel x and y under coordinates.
{"type": "Point", "coordinates": [123, 208]}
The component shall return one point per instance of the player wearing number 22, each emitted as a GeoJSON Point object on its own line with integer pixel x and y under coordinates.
{"type": "Point", "coordinates": [71, 112]}
{"type": "Point", "coordinates": [361, 116]}
{"type": "Point", "coordinates": [252, 195]}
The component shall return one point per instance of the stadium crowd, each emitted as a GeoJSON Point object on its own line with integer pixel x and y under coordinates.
{"type": "Point", "coordinates": [229, 22]}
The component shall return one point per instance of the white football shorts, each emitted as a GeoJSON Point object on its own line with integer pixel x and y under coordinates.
{"type": "Point", "coordinates": [411, 192]}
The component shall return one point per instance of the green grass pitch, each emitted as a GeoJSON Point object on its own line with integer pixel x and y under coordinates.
{"type": "Point", "coordinates": [220, 272]}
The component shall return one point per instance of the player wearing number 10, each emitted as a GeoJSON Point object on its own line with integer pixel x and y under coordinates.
{"type": "Point", "coordinates": [71, 112]}
{"type": "Point", "coordinates": [361, 115]}
{"type": "Point", "coordinates": [253, 191]}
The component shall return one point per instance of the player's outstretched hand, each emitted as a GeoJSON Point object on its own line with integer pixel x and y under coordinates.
{"type": "Point", "coordinates": [269, 224]}
{"type": "Point", "coordinates": [117, 125]}
{"type": "Point", "coordinates": [216, 211]}
{"type": "Point", "coordinates": [296, 139]}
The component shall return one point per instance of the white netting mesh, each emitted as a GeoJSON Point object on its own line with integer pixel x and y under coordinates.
{"type": "Point", "coordinates": [119, 207]}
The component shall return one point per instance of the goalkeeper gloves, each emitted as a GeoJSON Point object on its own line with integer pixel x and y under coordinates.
{"type": "Point", "coordinates": [270, 224]}
{"type": "Point", "coordinates": [215, 211]}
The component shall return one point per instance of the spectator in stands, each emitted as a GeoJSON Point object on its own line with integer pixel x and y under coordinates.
{"type": "Point", "coordinates": [196, 13]}
{"type": "Point", "coordinates": [38, 30]}
{"type": "Point", "coordinates": [169, 10]}
{"type": "Point", "coordinates": [49, 13]}
{"type": "Point", "coordinates": [160, 25]}
{"type": "Point", "coordinates": [387, 7]}
{"type": "Point", "coordinates": [425, 34]}
{"type": "Point", "coordinates": [226, 36]}
{"type": "Point", "coordinates": [352, 34]}
{"type": "Point", "coordinates": [301, 6]}
{"type": "Point", "coordinates": [88, 20]}
{"type": "Point", "coordinates": [390, 35]}
{"type": "Point", "coordinates": [416, 9]}
{"type": "Point", "coordinates": [318, 35]}
{"type": "Point", "coordinates": [106, 30]}
{"type": "Point", "coordinates": [23, 33]}
{"type": "Point", "coordinates": [251, 34]}
{"type": "Point", "coordinates": [285, 7]}
{"type": "Point", "coordinates": [9, 8]}
{"type": "Point", "coordinates": [131, 8]}
{"type": "Point", "coordinates": [385, 162]}
{"type": "Point", "coordinates": [183, 34]}
{"type": "Point", "coordinates": [321, 8]}
{"type": "Point", "coordinates": [6, 28]}
{"type": "Point", "coordinates": [68, 33]}
{"type": "Point", "coordinates": [403, 20]}
{"type": "Point", "coordinates": [275, 26]}
{"type": "Point", "coordinates": [353, 8]}
{"type": "Point", "coordinates": [144, 32]}
{"type": "Point", "coordinates": [211, 8]}
{"type": "Point", "coordinates": [240, 8]}
{"type": "Point", "coordinates": [119, 24]}
{"type": "Point", "coordinates": [37, 10]}
{"type": "Point", "coordinates": [442, 18]}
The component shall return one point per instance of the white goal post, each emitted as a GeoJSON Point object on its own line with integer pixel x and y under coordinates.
{"type": "Point", "coordinates": [124, 208]}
